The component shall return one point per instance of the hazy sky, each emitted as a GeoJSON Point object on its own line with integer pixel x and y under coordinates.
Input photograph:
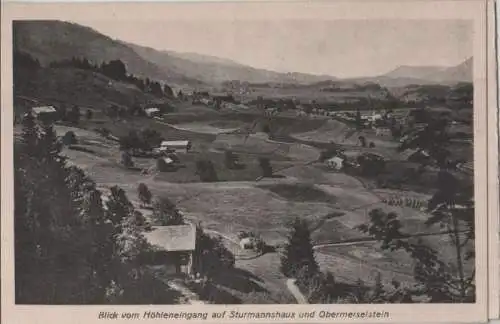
{"type": "Point", "coordinates": [343, 48]}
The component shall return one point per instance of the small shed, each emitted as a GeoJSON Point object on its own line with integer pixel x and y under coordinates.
{"type": "Point", "coordinates": [44, 113]}
{"type": "Point", "coordinates": [174, 247]}
{"type": "Point", "coordinates": [335, 163]}
{"type": "Point", "coordinates": [175, 145]}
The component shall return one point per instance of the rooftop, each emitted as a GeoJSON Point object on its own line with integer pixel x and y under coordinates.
{"type": "Point", "coordinates": [174, 143]}
{"type": "Point", "coordinates": [43, 109]}
{"type": "Point", "coordinates": [172, 238]}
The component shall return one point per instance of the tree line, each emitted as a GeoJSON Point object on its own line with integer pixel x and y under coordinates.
{"type": "Point", "coordinates": [116, 70]}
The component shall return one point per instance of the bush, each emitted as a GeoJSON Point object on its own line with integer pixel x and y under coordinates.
{"type": "Point", "coordinates": [126, 160]}
{"type": "Point", "coordinates": [371, 145]}
{"type": "Point", "coordinates": [206, 171]}
{"type": "Point", "coordinates": [69, 138]}
{"type": "Point", "coordinates": [265, 165]}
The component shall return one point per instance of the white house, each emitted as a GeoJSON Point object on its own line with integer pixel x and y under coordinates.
{"type": "Point", "coordinates": [175, 145]}
{"type": "Point", "coordinates": [152, 112]}
{"type": "Point", "coordinates": [335, 163]}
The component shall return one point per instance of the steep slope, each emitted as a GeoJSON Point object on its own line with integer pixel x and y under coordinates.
{"type": "Point", "coordinates": [211, 69]}
{"type": "Point", "coordinates": [51, 40]}
{"type": "Point", "coordinates": [75, 87]}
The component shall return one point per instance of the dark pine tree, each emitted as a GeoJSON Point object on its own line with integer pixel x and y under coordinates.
{"type": "Point", "coordinates": [298, 253]}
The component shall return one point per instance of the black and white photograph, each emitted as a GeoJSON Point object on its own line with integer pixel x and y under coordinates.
{"type": "Point", "coordinates": [254, 162]}
{"type": "Point", "coordinates": [265, 161]}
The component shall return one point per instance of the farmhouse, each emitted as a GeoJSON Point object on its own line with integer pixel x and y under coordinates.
{"type": "Point", "coordinates": [335, 163]}
{"type": "Point", "coordinates": [152, 112]}
{"type": "Point", "coordinates": [44, 113]}
{"type": "Point", "coordinates": [175, 145]}
{"type": "Point", "coordinates": [247, 243]}
{"type": "Point", "coordinates": [174, 248]}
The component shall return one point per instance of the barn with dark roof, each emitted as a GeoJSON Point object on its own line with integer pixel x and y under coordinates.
{"type": "Point", "coordinates": [174, 247]}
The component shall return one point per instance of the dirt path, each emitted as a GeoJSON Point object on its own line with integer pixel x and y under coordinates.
{"type": "Point", "coordinates": [189, 296]}
{"type": "Point", "coordinates": [295, 291]}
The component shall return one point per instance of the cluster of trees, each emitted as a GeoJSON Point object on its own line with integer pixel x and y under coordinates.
{"type": "Point", "coordinates": [70, 247]}
{"type": "Point", "coordinates": [116, 70]}
{"type": "Point", "coordinates": [145, 140]}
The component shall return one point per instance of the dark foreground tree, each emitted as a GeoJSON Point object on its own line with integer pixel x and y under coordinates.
{"type": "Point", "coordinates": [298, 254]}
{"type": "Point", "coordinates": [69, 249]}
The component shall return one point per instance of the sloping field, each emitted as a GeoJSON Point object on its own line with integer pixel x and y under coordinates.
{"type": "Point", "coordinates": [340, 133]}
{"type": "Point", "coordinates": [78, 87]}
{"type": "Point", "coordinates": [199, 127]}
{"type": "Point", "coordinates": [259, 144]}
{"type": "Point", "coordinates": [332, 130]}
{"type": "Point", "coordinates": [364, 261]}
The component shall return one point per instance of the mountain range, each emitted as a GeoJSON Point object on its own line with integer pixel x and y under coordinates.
{"type": "Point", "coordinates": [52, 40]}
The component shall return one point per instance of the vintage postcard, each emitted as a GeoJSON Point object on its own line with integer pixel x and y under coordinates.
{"type": "Point", "coordinates": [289, 162]}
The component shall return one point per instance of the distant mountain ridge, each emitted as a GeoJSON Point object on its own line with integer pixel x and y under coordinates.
{"type": "Point", "coordinates": [51, 40]}
{"type": "Point", "coordinates": [212, 69]}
